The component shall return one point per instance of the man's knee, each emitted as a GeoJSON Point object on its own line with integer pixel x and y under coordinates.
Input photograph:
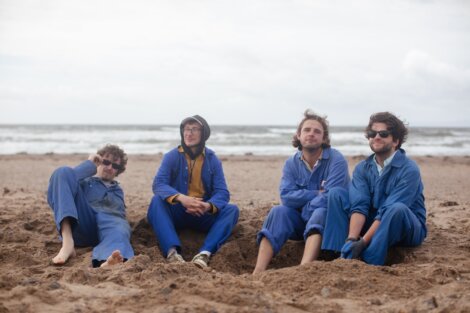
{"type": "Point", "coordinates": [62, 181]}
{"type": "Point", "coordinates": [156, 204]}
{"type": "Point", "coordinates": [156, 201]}
{"type": "Point", "coordinates": [280, 211]}
{"type": "Point", "coordinates": [338, 196]}
{"type": "Point", "coordinates": [231, 210]}
{"type": "Point", "coordinates": [62, 173]}
{"type": "Point", "coordinates": [397, 211]}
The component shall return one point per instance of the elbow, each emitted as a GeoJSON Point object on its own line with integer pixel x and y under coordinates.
{"type": "Point", "coordinates": [156, 187]}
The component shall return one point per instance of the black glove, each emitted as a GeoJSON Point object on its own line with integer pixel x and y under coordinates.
{"type": "Point", "coordinates": [353, 248]}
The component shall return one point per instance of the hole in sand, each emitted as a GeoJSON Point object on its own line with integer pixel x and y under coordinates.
{"type": "Point", "coordinates": [238, 255]}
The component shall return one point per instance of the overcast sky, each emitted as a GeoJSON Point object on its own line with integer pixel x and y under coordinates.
{"type": "Point", "coordinates": [234, 62]}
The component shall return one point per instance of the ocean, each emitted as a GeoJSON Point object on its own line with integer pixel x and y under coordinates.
{"type": "Point", "coordinates": [225, 140]}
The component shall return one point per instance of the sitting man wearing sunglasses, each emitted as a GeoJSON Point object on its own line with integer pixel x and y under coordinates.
{"type": "Point", "coordinates": [385, 203]}
{"type": "Point", "coordinates": [89, 208]}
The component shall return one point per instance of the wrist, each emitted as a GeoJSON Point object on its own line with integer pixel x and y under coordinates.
{"type": "Point", "coordinates": [179, 198]}
{"type": "Point", "coordinates": [352, 238]}
{"type": "Point", "coordinates": [366, 240]}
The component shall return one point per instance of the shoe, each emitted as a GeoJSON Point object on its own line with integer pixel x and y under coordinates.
{"type": "Point", "coordinates": [201, 260]}
{"type": "Point", "coordinates": [175, 257]}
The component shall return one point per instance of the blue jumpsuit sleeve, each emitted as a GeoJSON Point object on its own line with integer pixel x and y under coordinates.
{"type": "Point", "coordinates": [294, 195]}
{"type": "Point", "coordinates": [220, 195]}
{"type": "Point", "coordinates": [359, 191]}
{"type": "Point", "coordinates": [338, 176]}
{"type": "Point", "coordinates": [161, 183]}
{"type": "Point", "coordinates": [85, 169]}
{"type": "Point", "coordinates": [404, 191]}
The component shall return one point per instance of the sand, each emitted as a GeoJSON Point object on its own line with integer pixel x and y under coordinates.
{"type": "Point", "coordinates": [432, 278]}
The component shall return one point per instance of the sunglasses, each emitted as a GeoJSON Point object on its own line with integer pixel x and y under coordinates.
{"type": "Point", "coordinates": [382, 133]}
{"type": "Point", "coordinates": [114, 165]}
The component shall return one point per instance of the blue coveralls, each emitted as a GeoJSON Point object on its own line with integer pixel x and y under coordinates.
{"type": "Point", "coordinates": [304, 198]}
{"type": "Point", "coordinates": [395, 198]}
{"type": "Point", "coordinates": [97, 212]}
{"type": "Point", "coordinates": [166, 219]}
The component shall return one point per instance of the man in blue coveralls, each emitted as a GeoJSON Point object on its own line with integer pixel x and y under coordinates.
{"type": "Point", "coordinates": [191, 192]}
{"type": "Point", "coordinates": [385, 205]}
{"type": "Point", "coordinates": [306, 181]}
{"type": "Point", "coordinates": [89, 209]}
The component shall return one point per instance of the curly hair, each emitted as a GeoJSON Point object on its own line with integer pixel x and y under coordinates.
{"type": "Point", "coordinates": [310, 115]}
{"type": "Point", "coordinates": [396, 126]}
{"type": "Point", "coordinates": [117, 153]}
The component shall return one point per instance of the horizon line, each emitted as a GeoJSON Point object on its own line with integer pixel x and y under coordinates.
{"type": "Point", "coordinates": [212, 124]}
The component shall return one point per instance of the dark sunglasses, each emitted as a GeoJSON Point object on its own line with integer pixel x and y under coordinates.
{"type": "Point", "coordinates": [382, 133]}
{"type": "Point", "coordinates": [114, 165]}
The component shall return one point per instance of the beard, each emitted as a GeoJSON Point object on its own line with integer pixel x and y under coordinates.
{"type": "Point", "coordinates": [311, 148]}
{"type": "Point", "coordinates": [384, 150]}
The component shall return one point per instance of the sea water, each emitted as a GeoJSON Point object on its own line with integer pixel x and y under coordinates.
{"type": "Point", "coordinates": [224, 139]}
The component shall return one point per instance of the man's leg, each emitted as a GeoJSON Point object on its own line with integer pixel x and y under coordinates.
{"type": "Point", "coordinates": [164, 219]}
{"type": "Point", "coordinates": [313, 234]}
{"type": "Point", "coordinates": [399, 226]}
{"type": "Point", "coordinates": [282, 223]}
{"type": "Point", "coordinates": [218, 227]}
{"type": "Point", "coordinates": [114, 240]}
{"type": "Point", "coordinates": [265, 255]}
{"type": "Point", "coordinates": [337, 220]}
{"type": "Point", "coordinates": [115, 258]}
{"type": "Point", "coordinates": [64, 197]}
{"type": "Point", "coordinates": [312, 248]}
{"type": "Point", "coordinates": [68, 246]}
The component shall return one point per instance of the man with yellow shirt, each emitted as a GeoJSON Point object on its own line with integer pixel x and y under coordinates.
{"type": "Point", "coordinates": [191, 192]}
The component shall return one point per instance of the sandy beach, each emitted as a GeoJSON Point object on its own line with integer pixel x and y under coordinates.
{"type": "Point", "coordinates": [432, 278]}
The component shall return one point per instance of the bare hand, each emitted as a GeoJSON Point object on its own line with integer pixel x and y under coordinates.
{"type": "Point", "coordinates": [194, 206]}
{"type": "Point", "coordinates": [95, 158]}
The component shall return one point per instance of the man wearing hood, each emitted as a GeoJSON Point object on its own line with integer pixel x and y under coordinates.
{"type": "Point", "coordinates": [191, 192]}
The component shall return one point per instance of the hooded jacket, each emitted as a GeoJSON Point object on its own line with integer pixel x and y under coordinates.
{"type": "Point", "coordinates": [172, 178]}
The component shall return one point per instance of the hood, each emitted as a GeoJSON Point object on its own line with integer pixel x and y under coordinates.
{"type": "Point", "coordinates": [205, 134]}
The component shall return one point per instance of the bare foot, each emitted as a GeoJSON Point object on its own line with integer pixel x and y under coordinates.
{"type": "Point", "coordinates": [65, 253]}
{"type": "Point", "coordinates": [113, 259]}
{"type": "Point", "coordinates": [68, 246]}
